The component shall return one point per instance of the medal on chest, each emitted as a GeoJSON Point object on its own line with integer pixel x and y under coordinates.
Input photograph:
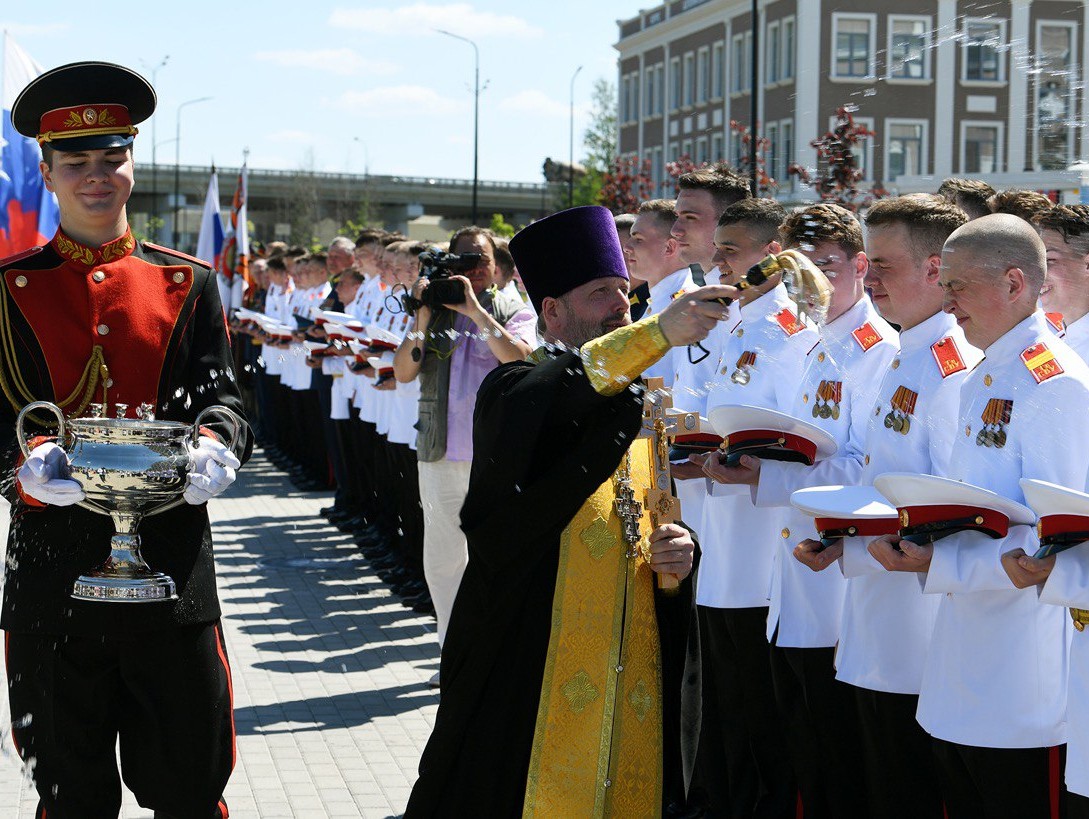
{"type": "Point", "coordinates": [745, 363]}
{"type": "Point", "coordinates": [829, 396]}
{"type": "Point", "coordinates": [996, 416]}
{"type": "Point", "coordinates": [903, 407]}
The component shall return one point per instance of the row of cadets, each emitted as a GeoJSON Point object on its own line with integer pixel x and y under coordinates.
{"type": "Point", "coordinates": [271, 364]}
{"type": "Point", "coordinates": [759, 366]}
{"type": "Point", "coordinates": [993, 692]}
{"type": "Point", "coordinates": [887, 621]}
{"type": "Point", "coordinates": [396, 415]}
{"type": "Point", "coordinates": [837, 391]}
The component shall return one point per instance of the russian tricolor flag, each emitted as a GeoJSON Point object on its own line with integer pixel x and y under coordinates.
{"type": "Point", "coordinates": [28, 212]}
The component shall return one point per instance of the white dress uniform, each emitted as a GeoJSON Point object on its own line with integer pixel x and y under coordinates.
{"type": "Point", "coordinates": [661, 294]}
{"type": "Point", "coordinates": [887, 620]}
{"type": "Point", "coordinates": [1077, 336]}
{"type": "Point", "coordinates": [271, 357]}
{"type": "Point", "coordinates": [768, 345]}
{"type": "Point", "coordinates": [366, 395]}
{"type": "Point", "coordinates": [995, 674]}
{"type": "Point", "coordinates": [836, 391]}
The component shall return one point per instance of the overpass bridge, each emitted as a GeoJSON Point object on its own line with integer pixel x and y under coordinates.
{"type": "Point", "coordinates": [299, 205]}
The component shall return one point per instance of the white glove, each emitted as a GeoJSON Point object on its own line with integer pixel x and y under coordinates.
{"type": "Point", "coordinates": [211, 470]}
{"type": "Point", "coordinates": [42, 477]}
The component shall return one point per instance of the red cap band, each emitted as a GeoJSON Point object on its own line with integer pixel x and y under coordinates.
{"type": "Point", "coordinates": [1062, 524]}
{"type": "Point", "coordinates": [85, 120]}
{"type": "Point", "coordinates": [786, 440]}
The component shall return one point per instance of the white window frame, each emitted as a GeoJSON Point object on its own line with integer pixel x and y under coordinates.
{"type": "Point", "coordinates": [703, 74]}
{"type": "Point", "coordinates": [648, 91]}
{"type": "Point", "coordinates": [674, 151]}
{"type": "Point", "coordinates": [928, 46]}
{"type": "Point", "coordinates": [688, 86]}
{"type": "Point", "coordinates": [1071, 136]}
{"type": "Point", "coordinates": [622, 114]}
{"type": "Point", "coordinates": [924, 143]}
{"type": "Point", "coordinates": [1000, 142]}
{"type": "Point", "coordinates": [659, 89]}
{"type": "Point", "coordinates": [1002, 51]}
{"type": "Point", "coordinates": [773, 54]}
{"type": "Point", "coordinates": [772, 156]}
{"type": "Point", "coordinates": [786, 70]}
{"type": "Point", "coordinates": [718, 70]}
{"type": "Point", "coordinates": [867, 145]}
{"type": "Point", "coordinates": [738, 84]}
{"type": "Point", "coordinates": [718, 147]}
{"type": "Point", "coordinates": [871, 62]}
{"type": "Point", "coordinates": [702, 149]}
{"type": "Point", "coordinates": [786, 125]}
{"type": "Point", "coordinates": [676, 84]}
{"type": "Point", "coordinates": [686, 149]}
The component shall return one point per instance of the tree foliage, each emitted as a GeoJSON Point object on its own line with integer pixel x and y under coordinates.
{"type": "Point", "coordinates": [838, 175]}
{"type": "Point", "coordinates": [500, 226]}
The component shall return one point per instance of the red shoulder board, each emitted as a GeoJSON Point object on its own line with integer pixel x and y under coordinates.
{"type": "Point", "coordinates": [177, 253]}
{"type": "Point", "coordinates": [1040, 362]}
{"type": "Point", "coordinates": [18, 257]}
{"type": "Point", "coordinates": [789, 322]}
{"type": "Point", "coordinates": [866, 336]}
{"type": "Point", "coordinates": [948, 357]}
{"type": "Point", "coordinates": [1056, 322]}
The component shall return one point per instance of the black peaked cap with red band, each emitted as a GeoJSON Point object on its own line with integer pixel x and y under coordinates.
{"type": "Point", "coordinates": [84, 106]}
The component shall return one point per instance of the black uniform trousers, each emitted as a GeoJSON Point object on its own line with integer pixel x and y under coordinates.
{"type": "Point", "coordinates": [166, 695]}
{"type": "Point", "coordinates": [820, 719]}
{"type": "Point", "coordinates": [1000, 783]}
{"type": "Point", "coordinates": [1077, 806]}
{"type": "Point", "coordinates": [743, 764]}
{"type": "Point", "coordinates": [901, 777]}
{"type": "Point", "coordinates": [404, 468]}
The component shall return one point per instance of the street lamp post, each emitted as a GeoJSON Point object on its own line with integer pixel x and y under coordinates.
{"type": "Point", "coordinates": [754, 184]}
{"type": "Point", "coordinates": [571, 144]}
{"type": "Point", "coordinates": [177, 165]}
{"type": "Point", "coordinates": [476, 114]}
{"type": "Point", "coordinates": [154, 166]}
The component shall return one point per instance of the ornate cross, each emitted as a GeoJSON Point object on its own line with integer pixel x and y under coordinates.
{"type": "Point", "coordinates": [662, 423]}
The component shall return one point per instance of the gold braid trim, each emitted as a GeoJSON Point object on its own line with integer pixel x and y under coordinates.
{"type": "Point", "coordinates": [14, 386]}
{"type": "Point", "coordinates": [618, 358]}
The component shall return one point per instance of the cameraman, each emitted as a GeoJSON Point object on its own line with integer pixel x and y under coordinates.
{"type": "Point", "coordinates": [489, 328]}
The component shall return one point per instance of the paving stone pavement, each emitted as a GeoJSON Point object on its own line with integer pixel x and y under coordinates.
{"type": "Point", "coordinates": [330, 672]}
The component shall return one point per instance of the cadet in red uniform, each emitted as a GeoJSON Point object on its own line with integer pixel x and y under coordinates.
{"type": "Point", "coordinates": [99, 317]}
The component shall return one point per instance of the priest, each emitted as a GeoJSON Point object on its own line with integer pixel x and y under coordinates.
{"type": "Point", "coordinates": [562, 669]}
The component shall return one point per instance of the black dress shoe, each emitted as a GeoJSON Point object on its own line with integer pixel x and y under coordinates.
{"type": "Point", "coordinates": [424, 607]}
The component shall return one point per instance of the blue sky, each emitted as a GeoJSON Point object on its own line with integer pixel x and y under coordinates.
{"type": "Point", "coordinates": [339, 86]}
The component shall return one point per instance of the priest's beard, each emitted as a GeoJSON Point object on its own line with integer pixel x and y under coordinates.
{"type": "Point", "coordinates": [579, 331]}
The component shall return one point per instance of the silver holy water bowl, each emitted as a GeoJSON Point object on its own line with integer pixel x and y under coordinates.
{"type": "Point", "coordinates": [129, 468]}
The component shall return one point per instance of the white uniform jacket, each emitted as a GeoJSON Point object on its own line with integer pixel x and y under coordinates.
{"type": "Point", "coordinates": [995, 674]}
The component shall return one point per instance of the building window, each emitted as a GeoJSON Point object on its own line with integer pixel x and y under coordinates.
{"type": "Point", "coordinates": [909, 47]}
{"type": "Point", "coordinates": [786, 140]}
{"type": "Point", "coordinates": [701, 151]}
{"type": "Point", "coordinates": [633, 101]}
{"type": "Point", "coordinates": [703, 75]}
{"type": "Point", "coordinates": [623, 112]}
{"type": "Point", "coordinates": [689, 78]}
{"type": "Point", "coordinates": [686, 148]}
{"type": "Point", "coordinates": [774, 54]}
{"type": "Point", "coordinates": [648, 93]}
{"type": "Point", "coordinates": [675, 83]}
{"type": "Point", "coordinates": [854, 52]}
{"type": "Point", "coordinates": [984, 43]}
{"type": "Point", "coordinates": [1054, 99]}
{"type": "Point", "coordinates": [718, 144]}
{"type": "Point", "coordinates": [741, 63]}
{"type": "Point", "coordinates": [735, 149]}
{"type": "Point", "coordinates": [771, 159]}
{"type": "Point", "coordinates": [656, 167]}
{"type": "Point", "coordinates": [659, 88]}
{"type": "Point", "coordinates": [863, 151]}
{"type": "Point", "coordinates": [674, 151]}
{"type": "Point", "coordinates": [718, 70]}
{"type": "Point", "coordinates": [905, 148]}
{"type": "Point", "coordinates": [787, 71]}
{"type": "Point", "coordinates": [981, 149]}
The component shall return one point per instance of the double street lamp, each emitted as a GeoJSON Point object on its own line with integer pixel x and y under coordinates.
{"type": "Point", "coordinates": [177, 167]}
{"type": "Point", "coordinates": [476, 114]}
{"type": "Point", "coordinates": [571, 144]}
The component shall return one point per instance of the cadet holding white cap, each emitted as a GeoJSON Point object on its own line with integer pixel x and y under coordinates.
{"type": "Point", "coordinates": [993, 693]}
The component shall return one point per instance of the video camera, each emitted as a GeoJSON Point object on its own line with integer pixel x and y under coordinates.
{"type": "Point", "coordinates": [437, 267]}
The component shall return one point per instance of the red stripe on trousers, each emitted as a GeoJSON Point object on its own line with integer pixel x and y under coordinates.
{"type": "Point", "coordinates": [222, 650]}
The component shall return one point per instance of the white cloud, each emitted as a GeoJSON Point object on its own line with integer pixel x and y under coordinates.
{"type": "Point", "coordinates": [397, 99]}
{"type": "Point", "coordinates": [422, 18]}
{"type": "Point", "coordinates": [335, 60]}
{"type": "Point", "coordinates": [540, 104]}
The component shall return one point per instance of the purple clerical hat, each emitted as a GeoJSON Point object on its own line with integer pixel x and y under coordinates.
{"type": "Point", "coordinates": [558, 253]}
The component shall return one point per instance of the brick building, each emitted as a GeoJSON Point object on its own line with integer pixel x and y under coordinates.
{"type": "Point", "coordinates": [951, 87]}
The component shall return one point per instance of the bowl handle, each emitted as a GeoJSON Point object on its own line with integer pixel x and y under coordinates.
{"type": "Point", "coordinates": [229, 414]}
{"type": "Point", "coordinates": [29, 408]}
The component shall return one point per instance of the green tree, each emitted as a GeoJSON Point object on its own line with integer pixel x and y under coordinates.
{"type": "Point", "coordinates": [599, 142]}
{"type": "Point", "coordinates": [500, 226]}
